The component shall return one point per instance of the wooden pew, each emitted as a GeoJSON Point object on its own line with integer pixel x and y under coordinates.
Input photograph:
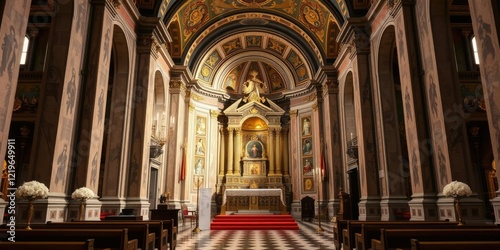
{"type": "Point", "coordinates": [103, 238]}
{"type": "Point", "coordinates": [145, 239]}
{"type": "Point", "coordinates": [372, 230]}
{"type": "Point", "coordinates": [155, 226]}
{"type": "Point", "coordinates": [52, 245]}
{"type": "Point", "coordinates": [455, 245]}
{"type": "Point", "coordinates": [353, 227]}
{"type": "Point", "coordinates": [171, 222]}
{"type": "Point", "coordinates": [401, 238]}
{"type": "Point", "coordinates": [338, 226]}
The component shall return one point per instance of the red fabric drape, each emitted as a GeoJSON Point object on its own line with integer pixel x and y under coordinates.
{"type": "Point", "coordinates": [182, 174]}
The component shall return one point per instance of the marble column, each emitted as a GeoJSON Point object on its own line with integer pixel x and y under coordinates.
{"type": "Point", "coordinates": [139, 169]}
{"type": "Point", "coordinates": [485, 27]}
{"type": "Point", "coordinates": [278, 152]}
{"type": "Point", "coordinates": [369, 205]}
{"type": "Point", "coordinates": [175, 144]}
{"type": "Point", "coordinates": [294, 165]}
{"type": "Point", "coordinates": [91, 126]}
{"type": "Point", "coordinates": [59, 107]}
{"type": "Point", "coordinates": [230, 152]}
{"type": "Point", "coordinates": [333, 149]}
{"type": "Point", "coordinates": [270, 147]}
{"type": "Point", "coordinates": [422, 205]}
{"type": "Point", "coordinates": [222, 151]}
{"type": "Point", "coordinates": [446, 117]}
{"type": "Point", "coordinates": [237, 152]}
{"type": "Point", "coordinates": [12, 31]}
{"type": "Point", "coordinates": [285, 149]}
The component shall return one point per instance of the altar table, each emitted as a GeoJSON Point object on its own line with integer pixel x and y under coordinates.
{"type": "Point", "coordinates": [252, 192]}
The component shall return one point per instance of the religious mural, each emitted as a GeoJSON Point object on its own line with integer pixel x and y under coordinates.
{"type": "Point", "coordinates": [200, 148]}
{"type": "Point", "coordinates": [307, 154]}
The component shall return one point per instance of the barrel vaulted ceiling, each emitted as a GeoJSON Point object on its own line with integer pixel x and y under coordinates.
{"type": "Point", "coordinates": [285, 41]}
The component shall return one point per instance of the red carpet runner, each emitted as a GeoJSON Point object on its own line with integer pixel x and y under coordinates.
{"type": "Point", "coordinates": [254, 222]}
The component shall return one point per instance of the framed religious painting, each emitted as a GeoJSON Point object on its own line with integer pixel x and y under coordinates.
{"type": "Point", "coordinates": [307, 147]}
{"type": "Point", "coordinates": [199, 166]}
{"type": "Point", "coordinates": [306, 126]}
{"type": "Point", "coordinates": [200, 125]}
{"type": "Point", "coordinates": [308, 184]}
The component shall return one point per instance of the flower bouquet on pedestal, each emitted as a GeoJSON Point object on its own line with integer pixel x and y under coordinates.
{"type": "Point", "coordinates": [457, 190]}
{"type": "Point", "coordinates": [82, 194]}
{"type": "Point", "coordinates": [31, 191]}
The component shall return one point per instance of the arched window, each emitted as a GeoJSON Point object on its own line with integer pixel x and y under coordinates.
{"type": "Point", "coordinates": [474, 51]}
{"type": "Point", "coordinates": [24, 54]}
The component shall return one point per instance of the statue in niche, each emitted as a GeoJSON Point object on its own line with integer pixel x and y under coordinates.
{"type": "Point", "coordinates": [253, 87]}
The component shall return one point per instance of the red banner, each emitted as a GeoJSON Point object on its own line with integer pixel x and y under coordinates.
{"type": "Point", "coordinates": [182, 174]}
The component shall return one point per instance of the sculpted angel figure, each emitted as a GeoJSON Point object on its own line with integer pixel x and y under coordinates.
{"type": "Point", "coordinates": [253, 87]}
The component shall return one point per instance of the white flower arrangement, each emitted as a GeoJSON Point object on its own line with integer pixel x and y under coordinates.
{"type": "Point", "coordinates": [456, 189]}
{"type": "Point", "coordinates": [82, 194]}
{"type": "Point", "coordinates": [32, 190]}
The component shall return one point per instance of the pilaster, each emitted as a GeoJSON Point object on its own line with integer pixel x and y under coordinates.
{"type": "Point", "coordinates": [486, 28]}
{"type": "Point", "coordinates": [446, 118]}
{"type": "Point", "coordinates": [13, 29]}
{"type": "Point", "coordinates": [359, 42]}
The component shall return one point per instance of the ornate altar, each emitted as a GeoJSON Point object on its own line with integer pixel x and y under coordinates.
{"type": "Point", "coordinates": [252, 154]}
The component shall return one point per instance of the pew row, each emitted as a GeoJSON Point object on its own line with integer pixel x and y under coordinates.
{"type": "Point", "coordinates": [372, 231]}
{"type": "Point", "coordinates": [353, 227]}
{"type": "Point", "coordinates": [145, 239]}
{"type": "Point", "coordinates": [159, 228]}
{"type": "Point", "coordinates": [52, 245]}
{"type": "Point", "coordinates": [455, 245]}
{"type": "Point", "coordinates": [103, 238]}
{"type": "Point", "coordinates": [401, 238]}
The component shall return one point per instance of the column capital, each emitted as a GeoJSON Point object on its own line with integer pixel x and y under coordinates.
{"type": "Point", "coordinates": [214, 113]}
{"type": "Point", "coordinates": [293, 113]}
{"type": "Point", "coordinates": [331, 86]}
{"type": "Point", "coordinates": [397, 4]}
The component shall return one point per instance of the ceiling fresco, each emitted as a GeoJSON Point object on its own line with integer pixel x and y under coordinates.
{"type": "Point", "coordinates": [312, 16]}
{"type": "Point", "coordinates": [285, 42]}
{"type": "Point", "coordinates": [227, 65]}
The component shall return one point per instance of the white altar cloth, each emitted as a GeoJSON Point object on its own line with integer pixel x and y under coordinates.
{"type": "Point", "coordinates": [253, 192]}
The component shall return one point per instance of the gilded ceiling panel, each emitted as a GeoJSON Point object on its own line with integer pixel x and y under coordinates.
{"type": "Point", "coordinates": [312, 14]}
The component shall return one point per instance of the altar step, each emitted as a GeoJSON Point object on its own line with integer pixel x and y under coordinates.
{"type": "Point", "coordinates": [252, 212]}
{"type": "Point", "coordinates": [254, 222]}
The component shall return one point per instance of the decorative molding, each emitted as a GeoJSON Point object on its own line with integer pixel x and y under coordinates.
{"type": "Point", "coordinates": [214, 113]}
{"type": "Point", "coordinates": [111, 6]}
{"type": "Point", "coordinates": [196, 97]}
{"type": "Point", "coordinates": [293, 113]}
{"type": "Point", "coordinates": [315, 107]}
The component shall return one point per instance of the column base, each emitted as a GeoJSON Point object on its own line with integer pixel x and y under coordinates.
{"type": "Point", "coordinates": [140, 206]}
{"type": "Point", "coordinates": [296, 212]}
{"type": "Point", "coordinates": [5, 206]}
{"type": "Point", "coordinates": [392, 207]}
{"type": "Point", "coordinates": [423, 208]}
{"type": "Point", "coordinates": [472, 210]}
{"type": "Point", "coordinates": [91, 211]}
{"type": "Point", "coordinates": [51, 209]}
{"type": "Point", "coordinates": [369, 208]}
{"type": "Point", "coordinates": [112, 205]}
{"type": "Point", "coordinates": [496, 208]}
{"type": "Point", "coordinates": [333, 208]}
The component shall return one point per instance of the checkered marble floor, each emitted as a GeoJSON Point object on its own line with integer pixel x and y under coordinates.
{"type": "Point", "coordinates": [305, 238]}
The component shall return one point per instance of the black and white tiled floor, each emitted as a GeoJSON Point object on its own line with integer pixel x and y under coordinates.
{"type": "Point", "coordinates": [306, 238]}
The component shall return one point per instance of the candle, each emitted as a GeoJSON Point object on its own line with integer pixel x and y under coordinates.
{"type": "Point", "coordinates": [351, 136]}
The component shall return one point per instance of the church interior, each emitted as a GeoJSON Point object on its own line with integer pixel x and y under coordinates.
{"type": "Point", "coordinates": [366, 110]}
